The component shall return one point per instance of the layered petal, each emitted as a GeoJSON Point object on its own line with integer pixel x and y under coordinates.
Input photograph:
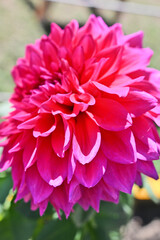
{"type": "Point", "coordinates": [90, 174]}
{"type": "Point", "coordinates": [39, 189]}
{"type": "Point", "coordinates": [120, 146]}
{"type": "Point", "coordinates": [54, 169]}
{"type": "Point", "coordinates": [121, 176]}
{"type": "Point", "coordinates": [86, 139]}
{"type": "Point", "coordinates": [110, 115]}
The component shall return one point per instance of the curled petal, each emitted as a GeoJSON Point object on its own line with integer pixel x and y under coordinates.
{"type": "Point", "coordinates": [45, 125]}
{"type": "Point", "coordinates": [134, 60]}
{"type": "Point", "coordinates": [90, 174]}
{"type": "Point", "coordinates": [110, 115]}
{"type": "Point", "coordinates": [121, 176]}
{"type": "Point", "coordinates": [40, 190]}
{"type": "Point", "coordinates": [146, 143]}
{"type": "Point", "coordinates": [139, 102]}
{"type": "Point", "coordinates": [52, 161]}
{"type": "Point", "coordinates": [119, 146]}
{"type": "Point", "coordinates": [120, 91]}
{"type": "Point", "coordinates": [135, 39]}
{"type": "Point", "coordinates": [61, 138]}
{"type": "Point", "coordinates": [86, 139]}
{"type": "Point", "coordinates": [147, 168]}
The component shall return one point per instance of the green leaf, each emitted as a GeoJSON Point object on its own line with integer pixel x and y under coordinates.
{"type": "Point", "coordinates": [5, 230]}
{"type": "Point", "coordinates": [81, 217]}
{"type": "Point", "coordinates": [16, 226]}
{"type": "Point", "coordinates": [110, 218]}
{"type": "Point", "coordinates": [58, 230]}
{"type": "Point", "coordinates": [24, 209]}
{"type": "Point", "coordinates": [5, 186]}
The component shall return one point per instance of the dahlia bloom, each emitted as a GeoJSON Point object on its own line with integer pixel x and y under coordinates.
{"type": "Point", "coordinates": [82, 128]}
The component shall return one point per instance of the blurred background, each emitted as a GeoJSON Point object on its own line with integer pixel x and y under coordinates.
{"type": "Point", "coordinates": [21, 23]}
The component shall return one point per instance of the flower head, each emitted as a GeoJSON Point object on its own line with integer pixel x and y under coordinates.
{"type": "Point", "coordinates": [82, 127]}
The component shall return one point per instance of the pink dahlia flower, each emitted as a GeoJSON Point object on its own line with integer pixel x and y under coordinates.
{"type": "Point", "coordinates": [82, 127]}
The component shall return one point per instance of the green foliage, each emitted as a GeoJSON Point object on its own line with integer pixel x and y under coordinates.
{"type": "Point", "coordinates": [5, 186]}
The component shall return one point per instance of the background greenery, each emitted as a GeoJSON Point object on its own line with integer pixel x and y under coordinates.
{"type": "Point", "coordinates": [18, 27]}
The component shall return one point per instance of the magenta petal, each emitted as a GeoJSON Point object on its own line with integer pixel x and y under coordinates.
{"type": "Point", "coordinates": [113, 56]}
{"type": "Point", "coordinates": [120, 91]}
{"type": "Point", "coordinates": [135, 59]}
{"type": "Point", "coordinates": [147, 168]}
{"type": "Point", "coordinates": [59, 199]}
{"type": "Point", "coordinates": [42, 207]}
{"type": "Point", "coordinates": [45, 125]}
{"type": "Point", "coordinates": [6, 159]}
{"type": "Point", "coordinates": [146, 143]}
{"type": "Point", "coordinates": [50, 52]}
{"type": "Point", "coordinates": [86, 139]}
{"type": "Point", "coordinates": [120, 176]}
{"type": "Point", "coordinates": [40, 190]}
{"type": "Point", "coordinates": [67, 37]}
{"type": "Point", "coordinates": [21, 116]}
{"type": "Point", "coordinates": [88, 45]}
{"type": "Point", "coordinates": [33, 56]}
{"type": "Point", "coordinates": [119, 146]}
{"type": "Point", "coordinates": [90, 174]}
{"type": "Point", "coordinates": [139, 102]}
{"type": "Point", "coordinates": [71, 165]}
{"type": "Point", "coordinates": [108, 40]}
{"type": "Point", "coordinates": [17, 170]}
{"type": "Point", "coordinates": [74, 191]}
{"type": "Point", "coordinates": [110, 114]}
{"type": "Point", "coordinates": [135, 39]}
{"type": "Point", "coordinates": [58, 140]}
{"type": "Point", "coordinates": [29, 124]}
{"type": "Point", "coordinates": [23, 192]}
{"type": "Point", "coordinates": [56, 33]}
{"type": "Point", "coordinates": [4, 165]}
{"type": "Point", "coordinates": [154, 114]}
{"type": "Point", "coordinates": [90, 197]}
{"type": "Point", "coordinates": [61, 138]}
{"type": "Point", "coordinates": [29, 153]}
{"type": "Point", "coordinates": [138, 179]}
{"type": "Point", "coordinates": [78, 59]}
{"type": "Point", "coordinates": [51, 168]}
{"type": "Point", "coordinates": [109, 193]}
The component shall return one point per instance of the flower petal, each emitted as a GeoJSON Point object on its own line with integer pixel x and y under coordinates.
{"type": "Point", "coordinates": [110, 114]}
{"type": "Point", "coordinates": [88, 46]}
{"type": "Point", "coordinates": [146, 144]}
{"type": "Point", "coordinates": [138, 102]}
{"type": "Point", "coordinates": [147, 168]}
{"type": "Point", "coordinates": [119, 146]}
{"type": "Point", "coordinates": [86, 139]}
{"type": "Point", "coordinates": [134, 39]}
{"type": "Point", "coordinates": [120, 91]}
{"type": "Point", "coordinates": [45, 125]}
{"type": "Point", "coordinates": [51, 168]}
{"type": "Point", "coordinates": [134, 59]}
{"type": "Point", "coordinates": [90, 174]}
{"type": "Point", "coordinates": [120, 176]}
{"type": "Point", "coordinates": [61, 138]}
{"type": "Point", "coordinates": [40, 190]}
